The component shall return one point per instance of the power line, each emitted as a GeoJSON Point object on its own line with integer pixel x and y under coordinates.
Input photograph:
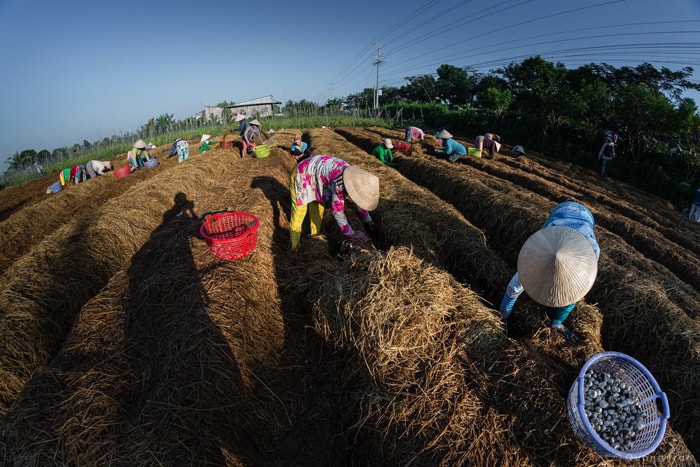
{"type": "Point", "coordinates": [398, 64]}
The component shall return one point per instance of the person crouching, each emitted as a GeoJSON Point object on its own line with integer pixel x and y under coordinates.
{"type": "Point", "coordinates": [324, 179]}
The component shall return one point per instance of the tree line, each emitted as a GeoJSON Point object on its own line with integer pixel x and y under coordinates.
{"type": "Point", "coordinates": [563, 113]}
{"type": "Point", "coordinates": [566, 113]}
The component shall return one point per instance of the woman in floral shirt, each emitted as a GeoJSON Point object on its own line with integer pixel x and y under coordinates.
{"type": "Point", "coordinates": [321, 180]}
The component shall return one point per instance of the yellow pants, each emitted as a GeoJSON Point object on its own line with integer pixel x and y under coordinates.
{"type": "Point", "coordinates": [299, 213]}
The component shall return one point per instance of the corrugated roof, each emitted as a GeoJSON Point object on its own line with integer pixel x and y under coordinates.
{"type": "Point", "coordinates": [257, 101]}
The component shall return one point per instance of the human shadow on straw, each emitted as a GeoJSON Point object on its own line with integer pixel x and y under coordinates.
{"type": "Point", "coordinates": [306, 379]}
{"type": "Point", "coordinates": [277, 194]}
{"type": "Point", "coordinates": [187, 375]}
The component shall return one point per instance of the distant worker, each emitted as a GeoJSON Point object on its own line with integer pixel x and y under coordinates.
{"type": "Point", "coordinates": [451, 148]}
{"type": "Point", "coordinates": [383, 152]}
{"type": "Point", "coordinates": [96, 168]}
{"type": "Point", "coordinates": [138, 155]}
{"type": "Point", "coordinates": [39, 169]}
{"type": "Point", "coordinates": [206, 145]}
{"type": "Point", "coordinates": [414, 132]}
{"type": "Point", "coordinates": [249, 136]}
{"type": "Point", "coordinates": [243, 126]}
{"type": "Point", "coordinates": [695, 207]}
{"type": "Point", "coordinates": [557, 265]}
{"type": "Point", "coordinates": [78, 174]}
{"type": "Point", "coordinates": [607, 150]}
{"type": "Point", "coordinates": [182, 147]}
{"type": "Point", "coordinates": [300, 149]}
{"type": "Point", "coordinates": [402, 146]}
{"type": "Point", "coordinates": [320, 180]}
{"type": "Point", "coordinates": [64, 176]}
{"type": "Point", "coordinates": [519, 149]}
{"type": "Point", "coordinates": [489, 141]}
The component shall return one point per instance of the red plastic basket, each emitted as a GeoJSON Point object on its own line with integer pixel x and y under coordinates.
{"type": "Point", "coordinates": [402, 146]}
{"type": "Point", "coordinates": [231, 235]}
{"type": "Point", "coordinates": [123, 172]}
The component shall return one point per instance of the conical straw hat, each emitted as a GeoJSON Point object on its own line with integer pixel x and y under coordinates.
{"type": "Point", "coordinates": [362, 186]}
{"type": "Point", "coordinates": [557, 266]}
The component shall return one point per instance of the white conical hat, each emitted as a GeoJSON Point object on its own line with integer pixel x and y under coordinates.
{"type": "Point", "coordinates": [557, 266]}
{"type": "Point", "coordinates": [204, 138]}
{"type": "Point", "coordinates": [362, 186]}
{"type": "Point", "coordinates": [444, 134]}
{"type": "Point", "coordinates": [388, 144]}
{"type": "Point", "coordinates": [140, 144]}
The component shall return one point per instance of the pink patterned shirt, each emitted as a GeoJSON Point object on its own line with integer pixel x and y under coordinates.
{"type": "Point", "coordinates": [320, 178]}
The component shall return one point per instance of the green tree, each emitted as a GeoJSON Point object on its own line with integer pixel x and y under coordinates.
{"type": "Point", "coordinates": [645, 113]}
{"type": "Point", "coordinates": [455, 86]}
{"type": "Point", "coordinates": [22, 160]}
{"type": "Point", "coordinates": [671, 83]}
{"type": "Point", "coordinates": [540, 88]}
{"type": "Point", "coordinates": [334, 106]}
{"type": "Point", "coordinates": [495, 101]}
{"type": "Point", "coordinates": [149, 128]}
{"type": "Point", "coordinates": [391, 94]}
{"type": "Point", "coordinates": [302, 108]}
{"type": "Point", "coordinates": [593, 110]}
{"type": "Point", "coordinates": [421, 88]}
{"type": "Point", "coordinates": [164, 123]}
{"type": "Point", "coordinates": [42, 156]}
{"type": "Point", "coordinates": [226, 113]}
{"type": "Point", "coordinates": [361, 100]}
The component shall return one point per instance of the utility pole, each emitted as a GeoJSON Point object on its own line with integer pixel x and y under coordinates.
{"type": "Point", "coordinates": [376, 86]}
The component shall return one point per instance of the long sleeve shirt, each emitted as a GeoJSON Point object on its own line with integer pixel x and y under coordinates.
{"type": "Point", "coordinates": [450, 146]}
{"type": "Point", "coordinates": [491, 146]}
{"type": "Point", "coordinates": [251, 133]}
{"type": "Point", "coordinates": [416, 133]}
{"type": "Point", "coordinates": [576, 216]}
{"type": "Point", "coordinates": [204, 147]}
{"type": "Point", "coordinates": [173, 148]}
{"type": "Point", "coordinates": [567, 214]}
{"type": "Point", "coordinates": [300, 151]}
{"type": "Point", "coordinates": [320, 179]}
{"type": "Point", "coordinates": [383, 153]}
{"type": "Point", "coordinates": [97, 166]}
{"type": "Point", "coordinates": [243, 127]}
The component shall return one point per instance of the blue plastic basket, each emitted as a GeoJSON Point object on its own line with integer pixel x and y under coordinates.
{"type": "Point", "coordinates": [151, 163]}
{"type": "Point", "coordinates": [55, 187]}
{"type": "Point", "coordinates": [647, 395]}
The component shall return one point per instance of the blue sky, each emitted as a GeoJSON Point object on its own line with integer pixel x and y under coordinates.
{"type": "Point", "coordinates": [79, 70]}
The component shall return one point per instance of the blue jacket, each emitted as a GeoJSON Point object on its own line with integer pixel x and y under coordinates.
{"type": "Point", "coordinates": [450, 146]}
{"type": "Point", "coordinates": [576, 216]}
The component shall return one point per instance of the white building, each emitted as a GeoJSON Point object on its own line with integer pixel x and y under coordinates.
{"type": "Point", "coordinates": [259, 107]}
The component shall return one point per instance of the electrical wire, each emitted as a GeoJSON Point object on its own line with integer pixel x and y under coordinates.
{"type": "Point", "coordinates": [395, 65]}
